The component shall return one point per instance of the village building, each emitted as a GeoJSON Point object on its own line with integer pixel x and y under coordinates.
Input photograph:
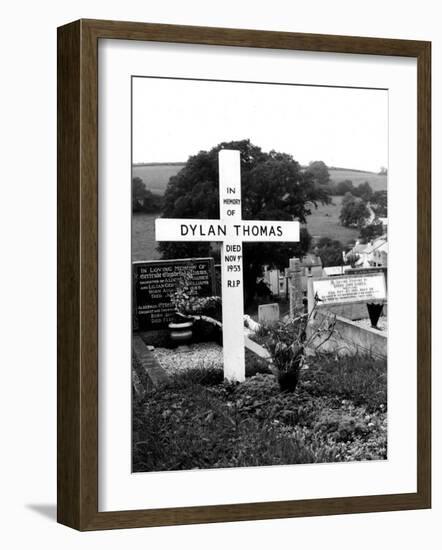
{"type": "Point", "coordinates": [371, 254]}
{"type": "Point", "coordinates": [334, 271]}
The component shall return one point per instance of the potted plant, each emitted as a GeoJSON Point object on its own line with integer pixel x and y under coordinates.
{"type": "Point", "coordinates": [181, 327]}
{"type": "Point", "coordinates": [287, 342]}
{"type": "Point", "coordinates": [189, 308]}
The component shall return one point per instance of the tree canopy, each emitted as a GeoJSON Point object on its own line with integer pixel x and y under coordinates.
{"type": "Point", "coordinates": [354, 211]}
{"type": "Point", "coordinates": [319, 171]}
{"type": "Point", "coordinates": [330, 252]}
{"type": "Point", "coordinates": [379, 203]}
{"type": "Point", "coordinates": [144, 200]}
{"type": "Point", "coordinates": [343, 187]}
{"type": "Point", "coordinates": [273, 187]}
{"type": "Point", "coordinates": [363, 191]}
{"type": "Point", "coordinates": [370, 232]}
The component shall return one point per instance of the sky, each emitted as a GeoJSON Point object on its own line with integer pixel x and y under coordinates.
{"type": "Point", "coordinates": [344, 127]}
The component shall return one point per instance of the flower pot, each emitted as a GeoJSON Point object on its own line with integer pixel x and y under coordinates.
{"type": "Point", "coordinates": [181, 331]}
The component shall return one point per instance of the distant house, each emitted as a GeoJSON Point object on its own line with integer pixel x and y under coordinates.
{"type": "Point", "coordinates": [380, 254]}
{"type": "Point", "coordinates": [278, 283]}
{"type": "Point", "coordinates": [384, 222]}
{"type": "Point", "coordinates": [275, 281]}
{"type": "Point", "coordinates": [312, 265]}
{"type": "Point", "coordinates": [334, 271]}
{"type": "Point", "coordinates": [372, 254]}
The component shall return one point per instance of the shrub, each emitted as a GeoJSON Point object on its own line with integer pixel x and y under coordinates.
{"type": "Point", "coordinates": [187, 302]}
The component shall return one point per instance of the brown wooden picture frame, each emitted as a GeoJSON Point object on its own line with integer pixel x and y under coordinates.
{"type": "Point", "coordinates": [78, 274]}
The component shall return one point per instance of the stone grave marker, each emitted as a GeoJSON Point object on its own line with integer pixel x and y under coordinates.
{"type": "Point", "coordinates": [347, 289]}
{"type": "Point", "coordinates": [231, 230]}
{"type": "Point", "coordinates": [155, 282]}
{"type": "Point", "coordinates": [369, 270]}
{"type": "Point", "coordinates": [296, 292]}
{"type": "Point", "coordinates": [268, 313]}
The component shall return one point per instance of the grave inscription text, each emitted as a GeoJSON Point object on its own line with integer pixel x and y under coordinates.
{"type": "Point", "coordinates": [351, 288]}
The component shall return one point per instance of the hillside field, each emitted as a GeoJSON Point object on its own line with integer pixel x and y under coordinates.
{"type": "Point", "coordinates": [377, 182]}
{"type": "Point", "coordinates": [323, 222]}
{"type": "Point", "coordinates": [156, 176]}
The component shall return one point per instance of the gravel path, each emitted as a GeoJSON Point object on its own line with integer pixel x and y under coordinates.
{"type": "Point", "coordinates": [382, 323]}
{"type": "Point", "coordinates": [196, 355]}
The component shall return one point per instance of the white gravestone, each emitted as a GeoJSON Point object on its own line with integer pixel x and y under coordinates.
{"type": "Point", "coordinates": [231, 231]}
{"type": "Point", "coordinates": [268, 313]}
{"type": "Point", "coordinates": [348, 289]}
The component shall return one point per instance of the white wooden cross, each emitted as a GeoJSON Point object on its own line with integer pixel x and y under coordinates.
{"type": "Point", "coordinates": [231, 231]}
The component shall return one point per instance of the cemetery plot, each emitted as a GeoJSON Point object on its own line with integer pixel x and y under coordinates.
{"type": "Point", "coordinates": [337, 414]}
{"type": "Point", "coordinates": [231, 231]}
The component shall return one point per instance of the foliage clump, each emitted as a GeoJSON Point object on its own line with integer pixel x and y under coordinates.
{"type": "Point", "coordinates": [143, 200]}
{"type": "Point", "coordinates": [354, 211]}
{"type": "Point", "coordinates": [338, 413]}
{"type": "Point", "coordinates": [288, 340]}
{"type": "Point", "coordinates": [187, 301]}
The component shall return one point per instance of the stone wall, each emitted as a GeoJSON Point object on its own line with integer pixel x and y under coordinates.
{"type": "Point", "coordinates": [351, 311]}
{"type": "Point", "coordinates": [347, 338]}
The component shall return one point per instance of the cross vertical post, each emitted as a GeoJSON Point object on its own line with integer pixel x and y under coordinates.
{"type": "Point", "coordinates": [231, 267]}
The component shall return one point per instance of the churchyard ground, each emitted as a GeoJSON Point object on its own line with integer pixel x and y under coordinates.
{"type": "Point", "coordinates": [337, 413]}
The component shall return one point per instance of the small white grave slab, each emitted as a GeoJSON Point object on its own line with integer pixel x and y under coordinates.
{"type": "Point", "coordinates": [268, 313]}
{"type": "Point", "coordinates": [231, 231]}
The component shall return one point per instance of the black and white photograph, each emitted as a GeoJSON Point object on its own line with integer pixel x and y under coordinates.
{"type": "Point", "coordinates": [220, 279]}
{"type": "Point", "coordinates": [259, 274]}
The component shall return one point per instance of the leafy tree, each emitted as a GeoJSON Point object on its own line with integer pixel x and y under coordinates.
{"type": "Point", "coordinates": [319, 171]}
{"type": "Point", "coordinates": [370, 232]}
{"type": "Point", "coordinates": [348, 198]}
{"type": "Point", "coordinates": [152, 203]}
{"type": "Point", "coordinates": [138, 190]}
{"type": "Point", "coordinates": [379, 203]}
{"type": "Point", "coordinates": [330, 251]}
{"type": "Point", "coordinates": [144, 200]}
{"type": "Point", "coordinates": [354, 212]}
{"type": "Point", "coordinates": [343, 187]}
{"type": "Point", "coordinates": [363, 191]}
{"type": "Point", "coordinates": [273, 188]}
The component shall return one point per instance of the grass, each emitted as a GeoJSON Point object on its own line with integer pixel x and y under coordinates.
{"type": "Point", "coordinates": [156, 175]}
{"type": "Point", "coordinates": [360, 379]}
{"type": "Point", "coordinates": [338, 413]}
{"type": "Point", "coordinates": [143, 238]}
{"type": "Point", "coordinates": [377, 182]}
{"type": "Point", "coordinates": [324, 222]}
